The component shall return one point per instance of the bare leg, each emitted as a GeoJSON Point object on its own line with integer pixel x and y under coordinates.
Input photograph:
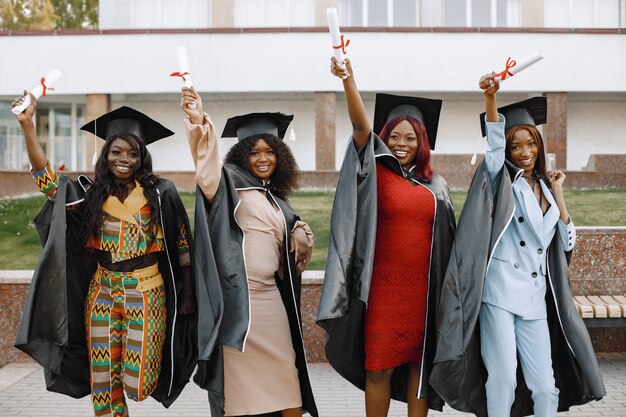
{"type": "Point", "coordinates": [378, 392]}
{"type": "Point", "coordinates": [292, 412]}
{"type": "Point", "coordinates": [415, 407]}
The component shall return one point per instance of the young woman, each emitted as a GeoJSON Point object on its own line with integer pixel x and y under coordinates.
{"type": "Point", "coordinates": [111, 304]}
{"type": "Point", "coordinates": [509, 272]}
{"type": "Point", "coordinates": [392, 228]}
{"type": "Point", "coordinates": [255, 249]}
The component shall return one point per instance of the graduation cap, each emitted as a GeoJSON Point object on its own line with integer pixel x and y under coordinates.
{"type": "Point", "coordinates": [425, 110]}
{"type": "Point", "coordinates": [126, 120]}
{"type": "Point", "coordinates": [532, 111]}
{"type": "Point", "coordinates": [252, 124]}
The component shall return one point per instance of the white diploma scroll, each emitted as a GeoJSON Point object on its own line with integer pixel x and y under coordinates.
{"type": "Point", "coordinates": [183, 68]}
{"type": "Point", "coordinates": [38, 91]}
{"type": "Point", "coordinates": [335, 35]}
{"type": "Point", "coordinates": [513, 67]}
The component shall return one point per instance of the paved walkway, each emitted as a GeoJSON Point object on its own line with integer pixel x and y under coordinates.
{"type": "Point", "coordinates": [22, 393]}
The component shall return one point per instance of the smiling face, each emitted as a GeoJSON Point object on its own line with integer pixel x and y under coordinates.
{"type": "Point", "coordinates": [524, 151]}
{"type": "Point", "coordinates": [122, 160]}
{"type": "Point", "coordinates": [262, 160]}
{"type": "Point", "coordinates": [403, 143]}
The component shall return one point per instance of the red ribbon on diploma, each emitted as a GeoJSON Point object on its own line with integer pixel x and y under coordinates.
{"type": "Point", "coordinates": [45, 88]}
{"type": "Point", "coordinates": [342, 46]}
{"type": "Point", "coordinates": [178, 74]}
{"type": "Point", "coordinates": [510, 63]}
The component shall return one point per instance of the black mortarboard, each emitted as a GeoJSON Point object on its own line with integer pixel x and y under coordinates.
{"type": "Point", "coordinates": [251, 124]}
{"type": "Point", "coordinates": [127, 120]}
{"type": "Point", "coordinates": [532, 111]}
{"type": "Point", "coordinates": [425, 110]}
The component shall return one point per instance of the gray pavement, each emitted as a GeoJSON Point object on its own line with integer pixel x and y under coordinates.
{"type": "Point", "coordinates": [22, 393]}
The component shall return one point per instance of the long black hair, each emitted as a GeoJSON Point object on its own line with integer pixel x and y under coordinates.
{"type": "Point", "coordinates": [285, 177]}
{"type": "Point", "coordinates": [104, 185]}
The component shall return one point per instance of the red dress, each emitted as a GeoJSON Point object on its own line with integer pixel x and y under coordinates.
{"type": "Point", "coordinates": [396, 311]}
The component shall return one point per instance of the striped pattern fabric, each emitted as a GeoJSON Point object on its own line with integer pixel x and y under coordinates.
{"type": "Point", "coordinates": [128, 232]}
{"type": "Point", "coordinates": [126, 329]}
{"type": "Point", "coordinates": [182, 246]}
{"type": "Point", "coordinates": [46, 180]}
{"type": "Point", "coordinates": [126, 240]}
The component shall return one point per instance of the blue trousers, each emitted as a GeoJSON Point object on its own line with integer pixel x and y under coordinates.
{"type": "Point", "coordinates": [502, 336]}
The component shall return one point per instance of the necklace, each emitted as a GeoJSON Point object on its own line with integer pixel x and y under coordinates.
{"type": "Point", "coordinates": [122, 190]}
{"type": "Point", "coordinates": [535, 181]}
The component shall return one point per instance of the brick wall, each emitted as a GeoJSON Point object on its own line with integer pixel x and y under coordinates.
{"type": "Point", "coordinates": [598, 267]}
{"type": "Point", "coordinates": [601, 172]}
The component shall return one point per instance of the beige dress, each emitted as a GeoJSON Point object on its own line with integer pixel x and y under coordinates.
{"type": "Point", "coordinates": [263, 378]}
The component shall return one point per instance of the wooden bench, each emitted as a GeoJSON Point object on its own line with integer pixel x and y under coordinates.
{"type": "Point", "coordinates": [602, 311]}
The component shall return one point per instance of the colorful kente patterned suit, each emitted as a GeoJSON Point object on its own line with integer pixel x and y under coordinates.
{"type": "Point", "coordinates": [125, 313]}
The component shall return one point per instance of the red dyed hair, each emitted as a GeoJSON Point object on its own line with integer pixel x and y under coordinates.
{"type": "Point", "coordinates": [422, 170]}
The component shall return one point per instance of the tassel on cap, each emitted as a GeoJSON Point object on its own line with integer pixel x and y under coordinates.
{"type": "Point", "coordinates": [94, 159]}
{"type": "Point", "coordinates": [292, 135]}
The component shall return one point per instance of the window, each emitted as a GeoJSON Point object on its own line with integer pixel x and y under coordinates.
{"type": "Point", "coordinates": [57, 128]}
{"type": "Point", "coordinates": [472, 13]}
{"type": "Point", "coordinates": [378, 13]}
{"type": "Point", "coordinates": [12, 147]}
{"type": "Point", "coordinates": [274, 13]}
{"type": "Point", "coordinates": [154, 14]}
{"type": "Point", "coordinates": [584, 13]}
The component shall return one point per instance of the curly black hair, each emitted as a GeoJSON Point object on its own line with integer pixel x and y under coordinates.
{"type": "Point", "coordinates": [104, 185]}
{"type": "Point", "coordinates": [285, 178]}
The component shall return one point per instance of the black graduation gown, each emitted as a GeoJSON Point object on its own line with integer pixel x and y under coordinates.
{"type": "Point", "coordinates": [459, 374]}
{"type": "Point", "coordinates": [224, 307]}
{"type": "Point", "coordinates": [350, 261]}
{"type": "Point", "coordinates": [52, 327]}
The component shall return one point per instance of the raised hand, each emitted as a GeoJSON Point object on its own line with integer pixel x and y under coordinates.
{"type": "Point", "coordinates": [489, 84]}
{"type": "Point", "coordinates": [188, 96]}
{"type": "Point", "coordinates": [27, 114]}
{"type": "Point", "coordinates": [337, 71]}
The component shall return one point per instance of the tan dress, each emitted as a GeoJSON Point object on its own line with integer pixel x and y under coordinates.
{"type": "Point", "coordinates": [263, 378]}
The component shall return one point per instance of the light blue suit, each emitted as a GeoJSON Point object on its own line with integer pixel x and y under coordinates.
{"type": "Point", "coordinates": [513, 311]}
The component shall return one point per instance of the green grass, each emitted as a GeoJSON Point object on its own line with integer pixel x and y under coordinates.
{"type": "Point", "coordinates": [314, 208]}
{"type": "Point", "coordinates": [19, 242]}
{"type": "Point", "coordinates": [20, 248]}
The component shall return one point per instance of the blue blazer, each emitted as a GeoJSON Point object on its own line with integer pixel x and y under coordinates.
{"type": "Point", "coordinates": [516, 270]}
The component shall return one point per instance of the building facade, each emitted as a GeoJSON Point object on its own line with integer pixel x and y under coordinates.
{"type": "Point", "coordinates": [273, 55]}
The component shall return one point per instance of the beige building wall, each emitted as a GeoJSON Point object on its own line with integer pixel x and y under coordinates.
{"type": "Point", "coordinates": [320, 11]}
{"type": "Point", "coordinates": [222, 13]}
{"type": "Point", "coordinates": [532, 13]}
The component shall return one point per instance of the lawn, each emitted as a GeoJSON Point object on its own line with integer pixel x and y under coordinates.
{"type": "Point", "coordinates": [20, 246]}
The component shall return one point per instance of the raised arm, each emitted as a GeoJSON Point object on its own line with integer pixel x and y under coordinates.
{"type": "Point", "coordinates": [361, 128]}
{"type": "Point", "coordinates": [490, 86]}
{"type": "Point", "coordinates": [494, 126]}
{"type": "Point", "coordinates": [42, 172]}
{"type": "Point", "coordinates": [36, 155]}
{"type": "Point", "coordinates": [202, 143]}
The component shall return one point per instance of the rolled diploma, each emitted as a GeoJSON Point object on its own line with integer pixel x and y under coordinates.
{"type": "Point", "coordinates": [335, 34]}
{"type": "Point", "coordinates": [524, 63]}
{"type": "Point", "coordinates": [37, 91]}
{"type": "Point", "coordinates": [183, 67]}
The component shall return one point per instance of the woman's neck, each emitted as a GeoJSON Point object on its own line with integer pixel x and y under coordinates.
{"type": "Point", "coordinates": [123, 189]}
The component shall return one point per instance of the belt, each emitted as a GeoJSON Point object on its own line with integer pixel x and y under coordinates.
{"type": "Point", "coordinates": [149, 277]}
